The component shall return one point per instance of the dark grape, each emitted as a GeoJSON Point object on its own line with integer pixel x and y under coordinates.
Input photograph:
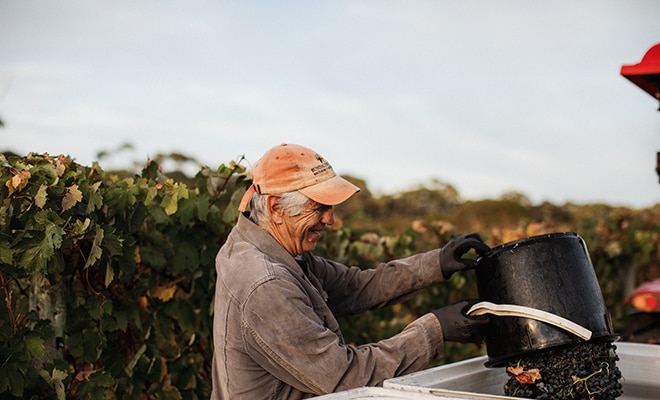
{"type": "Point", "coordinates": [582, 371]}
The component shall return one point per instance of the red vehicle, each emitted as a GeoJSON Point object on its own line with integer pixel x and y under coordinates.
{"type": "Point", "coordinates": [643, 323]}
{"type": "Point", "coordinates": [644, 320]}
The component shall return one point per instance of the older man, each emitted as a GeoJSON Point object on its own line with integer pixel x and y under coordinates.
{"type": "Point", "coordinates": [275, 330]}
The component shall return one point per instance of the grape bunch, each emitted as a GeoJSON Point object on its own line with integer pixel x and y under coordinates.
{"type": "Point", "coordinates": [583, 371]}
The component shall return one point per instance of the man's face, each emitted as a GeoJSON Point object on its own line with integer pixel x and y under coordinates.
{"type": "Point", "coordinates": [300, 233]}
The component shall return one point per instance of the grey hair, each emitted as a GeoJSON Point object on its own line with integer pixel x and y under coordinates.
{"type": "Point", "coordinates": [292, 202]}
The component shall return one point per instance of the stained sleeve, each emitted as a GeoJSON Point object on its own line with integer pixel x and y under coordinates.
{"type": "Point", "coordinates": [352, 290]}
{"type": "Point", "coordinates": [286, 336]}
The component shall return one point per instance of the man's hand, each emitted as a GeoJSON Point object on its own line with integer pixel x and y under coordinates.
{"type": "Point", "coordinates": [457, 326]}
{"type": "Point", "coordinates": [451, 255]}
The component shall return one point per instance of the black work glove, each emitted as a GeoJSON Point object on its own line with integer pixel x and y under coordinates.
{"type": "Point", "coordinates": [457, 326]}
{"type": "Point", "coordinates": [451, 255]}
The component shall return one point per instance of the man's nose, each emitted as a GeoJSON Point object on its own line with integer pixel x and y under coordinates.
{"type": "Point", "coordinates": [328, 216]}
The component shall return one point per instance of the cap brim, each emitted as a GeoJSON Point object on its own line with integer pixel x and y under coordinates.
{"type": "Point", "coordinates": [246, 198]}
{"type": "Point", "coordinates": [331, 192]}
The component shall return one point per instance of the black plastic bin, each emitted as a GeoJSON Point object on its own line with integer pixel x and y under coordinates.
{"type": "Point", "coordinates": [551, 272]}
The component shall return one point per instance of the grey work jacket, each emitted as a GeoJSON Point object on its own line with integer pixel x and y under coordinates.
{"type": "Point", "coordinates": [275, 331]}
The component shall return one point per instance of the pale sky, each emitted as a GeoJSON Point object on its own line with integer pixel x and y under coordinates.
{"type": "Point", "coordinates": [488, 96]}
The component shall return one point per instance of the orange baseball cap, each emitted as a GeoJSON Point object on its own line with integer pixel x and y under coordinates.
{"type": "Point", "coordinates": [290, 167]}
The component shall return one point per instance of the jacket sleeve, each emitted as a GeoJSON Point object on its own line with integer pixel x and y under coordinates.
{"type": "Point", "coordinates": [285, 333]}
{"type": "Point", "coordinates": [352, 290]}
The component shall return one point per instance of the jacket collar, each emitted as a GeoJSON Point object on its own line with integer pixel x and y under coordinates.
{"type": "Point", "coordinates": [266, 244]}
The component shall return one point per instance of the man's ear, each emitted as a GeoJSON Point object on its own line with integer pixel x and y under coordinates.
{"type": "Point", "coordinates": [275, 210]}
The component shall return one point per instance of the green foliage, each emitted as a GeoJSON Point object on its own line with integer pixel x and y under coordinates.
{"type": "Point", "coordinates": [107, 279]}
{"type": "Point", "coordinates": [136, 256]}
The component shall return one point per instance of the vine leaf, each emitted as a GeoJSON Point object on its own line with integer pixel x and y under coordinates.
{"type": "Point", "coordinates": [53, 238]}
{"type": "Point", "coordinates": [35, 345]}
{"type": "Point", "coordinates": [71, 198]}
{"type": "Point", "coordinates": [170, 200]}
{"type": "Point", "coordinates": [11, 379]}
{"type": "Point", "coordinates": [41, 196]}
{"type": "Point", "coordinates": [55, 380]}
{"type": "Point", "coordinates": [40, 245]}
{"type": "Point", "coordinates": [151, 195]}
{"type": "Point", "coordinates": [95, 199]}
{"type": "Point", "coordinates": [96, 251]}
{"type": "Point", "coordinates": [6, 253]}
{"type": "Point", "coordinates": [109, 275]}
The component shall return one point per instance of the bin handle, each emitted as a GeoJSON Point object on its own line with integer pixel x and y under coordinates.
{"type": "Point", "coordinates": [511, 310]}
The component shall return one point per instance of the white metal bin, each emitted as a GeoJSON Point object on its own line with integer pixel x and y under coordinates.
{"type": "Point", "coordinates": [374, 393]}
{"type": "Point", "coordinates": [639, 365]}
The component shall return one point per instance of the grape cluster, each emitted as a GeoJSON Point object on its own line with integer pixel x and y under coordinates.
{"type": "Point", "coordinates": [583, 371]}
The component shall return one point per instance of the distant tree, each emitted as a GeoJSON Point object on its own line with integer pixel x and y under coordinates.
{"type": "Point", "coordinates": [516, 197]}
{"type": "Point", "coordinates": [484, 215]}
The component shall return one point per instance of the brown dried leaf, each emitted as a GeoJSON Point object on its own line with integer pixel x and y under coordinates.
{"type": "Point", "coordinates": [136, 251]}
{"type": "Point", "coordinates": [515, 370]}
{"type": "Point", "coordinates": [18, 181]}
{"type": "Point", "coordinates": [61, 165]}
{"type": "Point", "coordinates": [523, 376]}
{"type": "Point", "coordinates": [165, 293]}
{"type": "Point", "coordinates": [418, 226]}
